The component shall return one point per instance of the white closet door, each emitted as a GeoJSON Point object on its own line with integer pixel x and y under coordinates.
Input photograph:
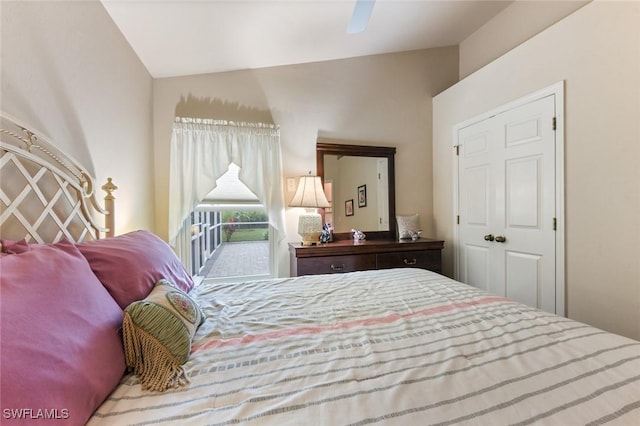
{"type": "Point", "coordinates": [383, 194]}
{"type": "Point", "coordinates": [507, 204]}
{"type": "Point", "coordinates": [476, 203]}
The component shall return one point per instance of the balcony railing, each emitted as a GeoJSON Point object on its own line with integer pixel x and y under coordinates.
{"type": "Point", "coordinates": [208, 236]}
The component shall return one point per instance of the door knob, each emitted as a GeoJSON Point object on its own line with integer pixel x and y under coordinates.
{"type": "Point", "coordinates": [501, 239]}
{"type": "Point", "coordinates": [488, 237]}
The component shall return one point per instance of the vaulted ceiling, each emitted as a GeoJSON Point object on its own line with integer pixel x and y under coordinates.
{"type": "Point", "coordinates": [185, 37]}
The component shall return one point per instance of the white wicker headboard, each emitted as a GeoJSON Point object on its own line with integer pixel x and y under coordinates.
{"type": "Point", "coordinates": [45, 195]}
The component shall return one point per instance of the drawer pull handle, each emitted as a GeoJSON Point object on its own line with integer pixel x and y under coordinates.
{"type": "Point", "coordinates": [409, 262]}
{"type": "Point", "coordinates": [338, 267]}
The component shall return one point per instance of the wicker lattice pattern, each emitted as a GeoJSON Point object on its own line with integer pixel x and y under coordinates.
{"type": "Point", "coordinates": [44, 195]}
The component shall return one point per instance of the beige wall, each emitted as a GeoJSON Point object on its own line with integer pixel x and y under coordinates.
{"type": "Point", "coordinates": [596, 51]}
{"type": "Point", "coordinates": [68, 72]}
{"type": "Point", "coordinates": [515, 24]}
{"type": "Point", "coordinates": [351, 173]}
{"type": "Point", "coordinates": [385, 99]}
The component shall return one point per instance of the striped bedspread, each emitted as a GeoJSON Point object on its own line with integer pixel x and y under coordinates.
{"type": "Point", "coordinates": [402, 346]}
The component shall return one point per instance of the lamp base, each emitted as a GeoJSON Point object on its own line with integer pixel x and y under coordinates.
{"type": "Point", "coordinates": [311, 239]}
{"type": "Point", "coordinates": [310, 227]}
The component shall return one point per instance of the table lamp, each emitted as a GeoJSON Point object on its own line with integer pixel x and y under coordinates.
{"type": "Point", "coordinates": [310, 195]}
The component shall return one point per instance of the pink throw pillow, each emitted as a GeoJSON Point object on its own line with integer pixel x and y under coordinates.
{"type": "Point", "coordinates": [129, 265]}
{"type": "Point", "coordinates": [14, 247]}
{"type": "Point", "coordinates": [61, 350]}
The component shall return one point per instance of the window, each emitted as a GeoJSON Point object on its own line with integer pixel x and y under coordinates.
{"type": "Point", "coordinates": [230, 233]}
{"type": "Point", "coordinates": [204, 183]}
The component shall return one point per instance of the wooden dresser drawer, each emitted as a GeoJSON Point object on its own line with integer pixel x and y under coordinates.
{"type": "Point", "coordinates": [425, 259]}
{"type": "Point", "coordinates": [336, 264]}
{"type": "Point", "coordinates": [347, 255]}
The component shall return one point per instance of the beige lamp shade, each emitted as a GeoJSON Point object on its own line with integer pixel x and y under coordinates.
{"type": "Point", "coordinates": [310, 195]}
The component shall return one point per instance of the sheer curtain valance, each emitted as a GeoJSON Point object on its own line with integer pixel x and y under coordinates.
{"type": "Point", "coordinates": [201, 151]}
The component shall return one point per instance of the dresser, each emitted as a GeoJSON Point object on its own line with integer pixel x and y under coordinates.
{"type": "Point", "coordinates": [348, 255]}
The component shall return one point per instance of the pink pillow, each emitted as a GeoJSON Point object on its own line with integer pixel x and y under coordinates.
{"type": "Point", "coordinates": [61, 350]}
{"type": "Point", "coordinates": [129, 265]}
{"type": "Point", "coordinates": [14, 247]}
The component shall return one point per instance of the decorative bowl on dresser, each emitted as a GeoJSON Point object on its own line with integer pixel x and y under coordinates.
{"type": "Point", "coordinates": [348, 255]}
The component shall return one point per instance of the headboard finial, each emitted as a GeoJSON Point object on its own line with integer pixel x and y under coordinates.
{"type": "Point", "coordinates": [109, 204]}
{"type": "Point", "coordinates": [109, 187]}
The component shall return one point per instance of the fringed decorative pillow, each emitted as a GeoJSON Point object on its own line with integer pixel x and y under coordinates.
{"type": "Point", "coordinates": [157, 333]}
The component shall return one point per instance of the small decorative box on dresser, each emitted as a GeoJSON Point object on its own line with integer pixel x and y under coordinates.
{"type": "Point", "coordinates": [348, 255]}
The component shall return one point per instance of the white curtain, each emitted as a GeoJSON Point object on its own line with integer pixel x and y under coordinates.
{"type": "Point", "coordinates": [201, 151]}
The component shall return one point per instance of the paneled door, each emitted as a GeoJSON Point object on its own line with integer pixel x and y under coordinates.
{"type": "Point", "coordinates": [506, 204]}
{"type": "Point", "coordinates": [383, 194]}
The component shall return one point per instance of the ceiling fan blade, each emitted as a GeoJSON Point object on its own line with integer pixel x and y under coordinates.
{"type": "Point", "coordinates": [361, 15]}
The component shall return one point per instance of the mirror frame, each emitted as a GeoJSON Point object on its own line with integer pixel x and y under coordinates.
{"type": "Point", "coordinates": [342, 147]}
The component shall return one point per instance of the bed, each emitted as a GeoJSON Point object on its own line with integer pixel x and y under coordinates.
{"type": "Point", "coordinates": [399, 346]}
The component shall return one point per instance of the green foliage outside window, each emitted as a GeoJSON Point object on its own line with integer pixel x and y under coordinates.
{"type": "Point", "coordinates": [242, 226]}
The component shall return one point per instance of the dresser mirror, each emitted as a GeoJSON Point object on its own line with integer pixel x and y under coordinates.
{"type": "Point", "coordinates": [359, 182]}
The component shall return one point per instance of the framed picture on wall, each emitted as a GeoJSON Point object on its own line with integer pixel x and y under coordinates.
{"type": "Point", "coordinates": [348, 208]}
{"type": "Point", "coordinates": [362, 196]}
